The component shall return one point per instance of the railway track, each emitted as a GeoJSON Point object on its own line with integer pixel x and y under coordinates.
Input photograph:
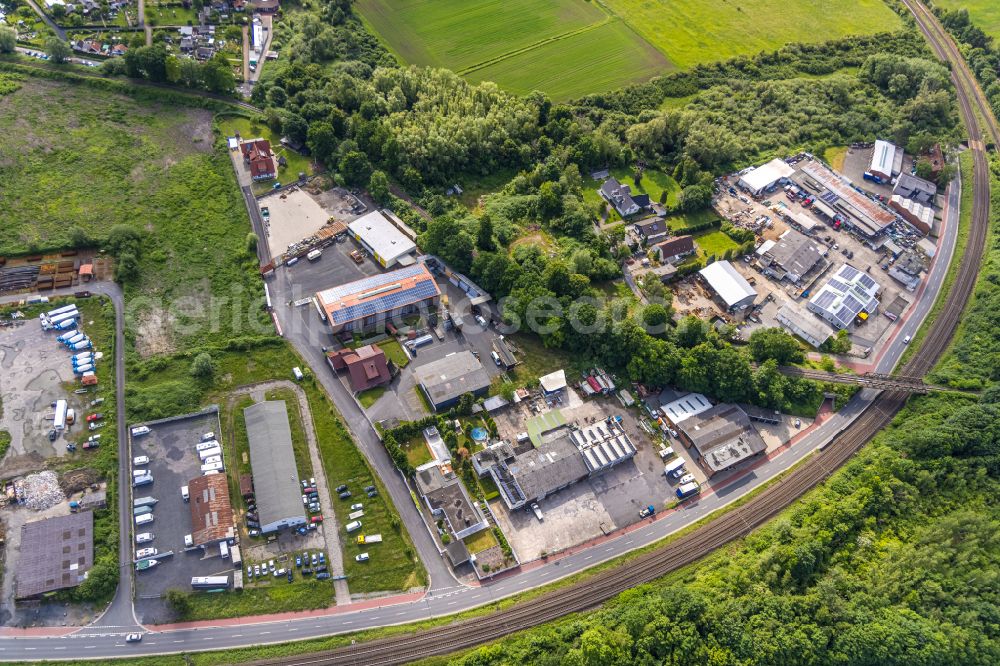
{"type": "Point", "coordinates": [763, 506]}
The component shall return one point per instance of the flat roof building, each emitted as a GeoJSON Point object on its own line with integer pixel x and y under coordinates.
{"type": "Point", "coordinates": [723, 436]}
{"type": "Point", "coordinates": [211, 511]}
{"type": "Point", "coordinates": [445, 380]}
{"type": "Point", "coordinates": [792, 256]}
{"type": "Point", "coordinates": [867, 217]}
{"type": "Point", "coordinates": [387, 244]}
{"type": "Point", "coordinates": [367, 304]}
{"type": "Point", "coordinates": [767, 175]}
{"type": "Point", "coordinates": [55, 554]}
{"type": "Point", "coordinates": [445, 497]}
{"type": "Point", "coordinates": [845, 296]}
{"type": "Point", "coordinates": [731, 287]}
{"type": "Point", "coordinates": [917, 214]}
{"type": "Point", "coordinates": [811, 329]}
{"type": "Point", "coordinates": [275, 477]}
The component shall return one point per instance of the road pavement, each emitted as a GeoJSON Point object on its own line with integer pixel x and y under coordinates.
{"type": "Point", "coordinates": [446, 595]}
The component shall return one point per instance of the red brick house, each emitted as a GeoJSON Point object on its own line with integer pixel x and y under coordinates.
{"type": "Point", "coordinates": [258, 157]}
{"type": "Point", "coordinates": [366, 366]}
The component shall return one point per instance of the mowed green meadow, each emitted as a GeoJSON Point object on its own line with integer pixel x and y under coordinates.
{"type": "Point", "coordinates": [984, 13]}
{"type": "Point", "coordinates": [565, 48]}
{"type": "Point", "coordinates": [690, 32]}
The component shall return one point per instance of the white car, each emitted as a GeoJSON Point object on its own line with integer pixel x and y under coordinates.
{"type": "Point", "coordinates": [133, 638]}
{"type": "Point", "coordinates": [144, 537]}
{"type": "Point", "coordinates": [906, 340]}
{"type": "Point", "coordinates": [363, 557]}
{"type": "Point", "coordinates": [687, 478]}
{"type": "Point", "coordinates": [139, 431]}
{"type": "Point", "coordinates": [140, 460]}
{"type": "Point", "coordinates": [145, 552]}
{"type": "Point", "coordinates": [357, 507]}
{"type": "Point", "coordinates": [208, 436]}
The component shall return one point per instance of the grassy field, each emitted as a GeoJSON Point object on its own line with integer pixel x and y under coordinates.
{"type": "Point", "coordinates": [370, 397]}
{"type": "Point", "coordinates": [690, 32]}
{"type": "Point", "coordinates": [835, 157]}
{"type": "Point", "coordinates": [679, 223]}
{"type": "Point", "coordinates": [460, 35]}
{"type": "Point", "coordinates": [416, 451]}
{"type": "Point", "coordinates": [714, 243]}
{"type": "Point", "coordinates": [565, 48]}
{"type": "Point", "coordinates": [70, 172]}
{"type": "Point", "coordinates": [985, 14]}
{"type": "Point", "coordinates": [394, 352]}
{"type": "Point", "coordinates": [606, 57]}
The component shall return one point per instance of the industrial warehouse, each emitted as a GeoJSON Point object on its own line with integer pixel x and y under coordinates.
{"type": "Point", "coordinates": [367, 304]}
{"type": "Point", "coordinates": [387, 244]}
{"type": "Point", "coordinates": [275, 479]}
{"type": "Point", "coordinates": [56, 553]}
{"type": "Point", "coordinates": [445, 380]}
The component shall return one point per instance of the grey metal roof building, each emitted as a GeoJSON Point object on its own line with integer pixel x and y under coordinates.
{"type": "Point", "coordinates": [366, 303]}
{"type": "Point", "coordinates": [723, 436]}
{"type": "Point", "coordinates": [915, 188]}
{"type": "Point", "coordinates": [56, 553]}
{"type": "Point", "coordinates": [809, 328]}
{"type": "Point", "coordinates": [275, 478]}
{"type": "Point", "coordinates": [792, 256]}
{"type": "Point", "coordinates": [444, 381]}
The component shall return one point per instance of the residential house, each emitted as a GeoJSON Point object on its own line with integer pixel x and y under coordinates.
{"type": "Point", "coordinates": [203, 52]}
{"type": "Point", "coordinates": [259, 159]}
{"type": "Point", "coordinates": [651, 229]}
{"type": "Point", "coordinates": [675, 249]}
{"type": "Point", "coordinates": [366, 366]}
{"type": "Point", "coordinates": [620, 196]}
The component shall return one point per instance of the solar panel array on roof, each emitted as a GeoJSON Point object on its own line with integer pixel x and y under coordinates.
{"type": "Point", "coordinates": [852, 303]}
{"type": "Point", "coordinates": [386, 303]}
{"type": "Point", "coordinates": [848, 272]}
{"type": "Point", "coordinates": [866, 281]}
{"type": "Point", "coordinates": [825, 299]}
{"type": "Point", "coordinates": [829, 197]}
{"type": "Point", "coordinates": [837, 284]}
{"type": "Point", "coordinates": [369, 283]}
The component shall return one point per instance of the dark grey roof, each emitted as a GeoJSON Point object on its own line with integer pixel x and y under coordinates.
{"type": "Point", "coordinates": [56, 553]}
{"type": "Point", "coordinates": [445, 493]}
{"type": "Point", "coordinates": [275, 478]}
{"type": "Point", "coordinates": [795, 253]}
{"type": "Point", "coordinates": [449, 377]}
{"type": "Point", "coordinates": [620, 196]}
{"type": "Point", "coordinates": [723, 436]}
{"type": "Point", "coordinates": [914, 187]}
{"type": "Point", "coordinates": [553, 465]}
{"type": "Point", "coordinates": [457, 552]}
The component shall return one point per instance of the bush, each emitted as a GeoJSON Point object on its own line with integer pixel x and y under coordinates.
{"type": "Point", "coordinates": [202, 367]}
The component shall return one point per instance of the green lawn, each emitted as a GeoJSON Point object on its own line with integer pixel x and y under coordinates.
{"type": "Point", "coordinates": [394, 352]}
{"type": "Point", "coordinates": [172, 15]}
{"type": "Point", "coordinates": [679, 223]}
{"type": "Point", "coordinates": [416, 451]}
{"type": "Point", "coordinates": [715, 243]}
{"type": "Point", "coordinates": [480, 541]}
{"type": "Point", "coordinates": [273, 596]}
{"type": "Point", "coordinates": [536, 360]}
{"type": "Point", "coordinates": [985, 14]}
{"type": "Point", "coordinates": [248, 129]}
{"type": "Point", "coordinates": [654, 182]}
{"type": "Point", "coordinates": [690, 32]}
{"type": "Point", "coordinates": [606, 57]}
{"type": "Point", "coordinates": [72, 171]}
{"type": "Point", "coordinates": [371, 396]}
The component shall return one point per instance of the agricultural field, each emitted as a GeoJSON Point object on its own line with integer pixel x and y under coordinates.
{"type": "Point", "coordinates": [689, 32]}
{"type": "Point", "coordinates": [565, 48]}
{"type": "Point", "coordinates": [985, 14]}
{"type": "Point", "coordinates": [97, 160]}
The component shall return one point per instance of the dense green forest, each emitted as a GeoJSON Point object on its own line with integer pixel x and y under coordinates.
{"type": "Point", "coordinates": [895, 560]}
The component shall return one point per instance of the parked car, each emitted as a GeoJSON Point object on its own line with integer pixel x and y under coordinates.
{"type": "Point", "coordinates": [145, 552]}
{"type": "Point", "coordinates": [342, 487]}
{"type": "Point", "coordinates": [254, 533]}
{"type": "Point", "coordinates": [316, 519]}
{"type": "Point", "coordinates": [369, 489]}
{"type": "Point", "coordinates": [95, 417]}
{"type": "Point", "coordinates": [208, 436]}
{"type": "Point", "coordinates": [144, 537]}
{"type": "Point", "coordinates": [357, 507]}
{"type": "Point", "coordinates": [140, 460]}
{"type": "Point", "coordinates": [362, 557]}
{"type": "Point", "coordinates": [309, 490]}
{"type": "Point", "coordinates": [139, 431]}
{"type": "Point", "coordinates": [270, 565]}
{"type": "Point", "coordinates": [345, 495]}
{"type": "Point", "coordinates": [322, 576]}
{"type": "Point", "coordinates": [372, 493]}
{"type": "Point", "coordinates": [256, 570]}
{"type": "Point", "coordinates": [290, 576]}
{"type": "Point", "coordinates": [298, 561]}
{"type": "Point", "coordinates": [52, 435]}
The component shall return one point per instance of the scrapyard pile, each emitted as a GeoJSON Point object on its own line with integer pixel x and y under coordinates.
{"type": "Point", "coordinates": [39, 491]}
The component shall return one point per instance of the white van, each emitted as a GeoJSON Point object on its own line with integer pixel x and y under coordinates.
{"type": "Point", "coordinates": [496, 357]}
{"type": "Point", "coordinates": [314, 255]}
{"type": "Point", "coordinates": [211, 460]}
{"type": "Point", "coordinates": [211, 467]}
{"type": "Point", "coordinates": [674, 468]}
{"type": "Point", "coordinates": [297, 372]}
{"type": "Point", "coordinates": [224, 550]}
{"type": "Point", "coordinates": [666, 452]}
{"type": "Point", "coordinates": [353, 526]}
{"type": "Point", "coordinates": [144, 519]}
{"type": "Point", "coordinates": [206, 445]}
{"type": "Point", "coordinates": [185, 494]}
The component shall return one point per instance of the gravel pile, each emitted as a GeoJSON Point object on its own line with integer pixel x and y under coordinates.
{"type": "Point", "coordinates": [41, 491]}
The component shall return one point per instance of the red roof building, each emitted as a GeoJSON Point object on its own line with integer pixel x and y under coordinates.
{"type": "Point", "coordinates": [258, 156]}
{"type": "Point", "coordinates": [366, 366]}
{"type": "Point", "coordinates": [675, 248]}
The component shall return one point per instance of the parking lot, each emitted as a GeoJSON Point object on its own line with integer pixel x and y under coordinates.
{"type": "Point", "coordinates": [298, 212]}
{"type": "Point", "coordinates": [172, 462]}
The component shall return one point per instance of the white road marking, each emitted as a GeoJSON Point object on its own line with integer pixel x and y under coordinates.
{"type": "Point", "coordinates": [589, 557]}
{"type": "Point", "coordinates": [237, 636]}
{"type": "Point", "coordinates": [264, 633]}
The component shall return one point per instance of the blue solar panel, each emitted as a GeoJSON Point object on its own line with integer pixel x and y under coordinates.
{"type": "Point", "coordinates": [391, 301]}
{"type": "Point", "coordinates": [866, 281]}
{"type": "Point", "coordinates": [845, 316]}
{"type": "Point", "coordinates": [369, 283]}
{"type": "Point", "coordinates": [848, 272]}
{"type": "Point", "coordinates": [825, 299]}
{"type": "Point", "coordinates": [838, 285]}
{"type": "Point", "coordinates": [852, 304]}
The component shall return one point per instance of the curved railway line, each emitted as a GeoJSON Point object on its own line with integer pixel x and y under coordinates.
{"type": "Point", "coordinates": [762, 507]}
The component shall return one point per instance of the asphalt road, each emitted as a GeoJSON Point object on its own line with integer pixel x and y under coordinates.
{"type": "Point", "coordinates": [106, 637]}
